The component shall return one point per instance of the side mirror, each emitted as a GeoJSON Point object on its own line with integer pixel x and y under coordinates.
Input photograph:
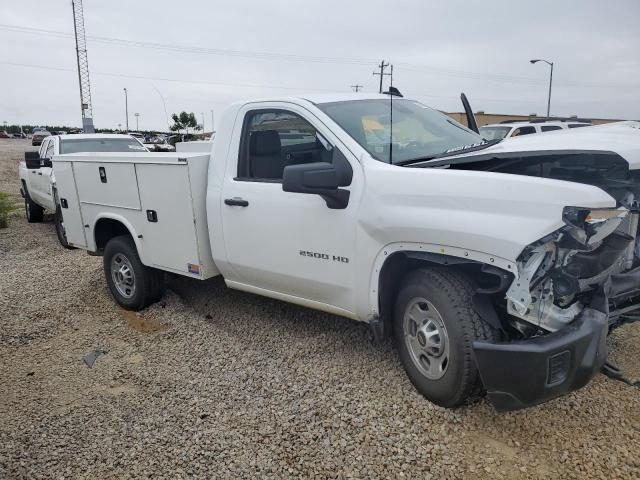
{"type": "Point", "coordinates": [321, 178]}
{"type": "Point", "coordinates": [32, 160]}
{"type": "Point", "coordinates": [46, 162]}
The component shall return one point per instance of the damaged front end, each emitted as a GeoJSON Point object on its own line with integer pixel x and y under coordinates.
{"type": "Point", "coordinates": [572, 287]}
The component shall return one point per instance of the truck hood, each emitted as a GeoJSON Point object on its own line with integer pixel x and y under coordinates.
{"type": "Point", "coordinates": [498, 214]}
{"type": "Point", "coordinates": [606, 156]}
{"type": "Point", "coordinates": [620, 138]}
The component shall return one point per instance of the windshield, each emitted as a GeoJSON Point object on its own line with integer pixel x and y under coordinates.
{"type": "Point", "coordinates": [494, 133]}
{"type": "Point", "coordinates": [418, 131]}
{"type": "Point", "coordinates": [101, 145]}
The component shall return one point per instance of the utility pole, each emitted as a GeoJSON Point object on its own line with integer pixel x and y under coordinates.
{"type": "Point", "coordinates": [213, 127]}
{"type": "Point", "coordinates": [137, 115]}
{"type": "Point", "coordinates": [126, 109]}
{"type": "Point", "coordinates": [382, 66]}
{"type": "Point", "coordinates": [356, 88]}
{"type": "Point", "coordinates": [202, 115]}
{"type": "Point", "coordinates": [83, 67]}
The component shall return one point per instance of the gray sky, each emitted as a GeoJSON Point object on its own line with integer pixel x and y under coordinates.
{"type": "Point", "coordinates": [202, 55]}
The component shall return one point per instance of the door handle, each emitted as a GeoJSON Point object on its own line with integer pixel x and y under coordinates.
{"type": "Point", "coordinates": [236, 202]}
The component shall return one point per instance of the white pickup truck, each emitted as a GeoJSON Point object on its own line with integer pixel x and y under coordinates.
{"type": "Point", "coordinates": [495, 265]}
{"type": "Point", "coordinates": [37, 182]}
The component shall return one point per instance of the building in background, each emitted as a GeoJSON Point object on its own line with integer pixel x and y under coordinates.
{"type": "Point", "coordinates": [490, 118]}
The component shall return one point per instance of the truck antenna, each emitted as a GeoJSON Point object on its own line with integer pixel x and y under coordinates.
{"type": "Point", "coordinates": [392, 92]}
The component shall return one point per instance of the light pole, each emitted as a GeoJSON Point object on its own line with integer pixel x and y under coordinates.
{"type": "Point", "coordinates": [137, 115]}
{"type": "Point", "coordinates": [202, 115]}
{"type": "Point", "coordinates": [126, 109]}
{"type": "Point", "coordinates": [550, 81]}
{"type": "Point", "coordinates": [213, 127]}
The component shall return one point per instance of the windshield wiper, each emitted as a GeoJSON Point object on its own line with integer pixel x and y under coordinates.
{"type": "Point", "coordinates": [451, 152]}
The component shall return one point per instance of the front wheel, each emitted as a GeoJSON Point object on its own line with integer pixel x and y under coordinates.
{"type": "Point", "coordinates": [33, 211]}
{"type": "Point", "coordinates": [133, 285]}
{"type": "Point", "coordinates": [435, 326]}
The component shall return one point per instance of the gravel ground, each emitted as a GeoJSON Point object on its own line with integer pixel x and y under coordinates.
{"type": "Point", "coordinates": [217, 383]}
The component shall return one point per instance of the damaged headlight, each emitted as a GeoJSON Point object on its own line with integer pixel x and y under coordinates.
{"type": "Point", "coordinates": [592, 225]}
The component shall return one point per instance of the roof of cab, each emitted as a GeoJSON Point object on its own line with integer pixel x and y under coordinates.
{"type": "Point", "coordinates": [81, 136]}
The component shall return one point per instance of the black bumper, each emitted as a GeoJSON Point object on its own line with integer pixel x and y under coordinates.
{"type": "Point", "coordinates": [523, 373]}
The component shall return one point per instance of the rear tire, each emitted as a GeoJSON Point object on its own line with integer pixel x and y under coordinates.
{"type": "Point", "coordinates": [435, 326]}
{"type": "Point", "coordinates": [33, 211]}
{"type": "Point", "coordinates": [133, 285]}
{"type": "Point", "coordinates": [60, 231]}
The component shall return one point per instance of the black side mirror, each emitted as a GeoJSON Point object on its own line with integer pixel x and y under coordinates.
{"type": "Point", "coordinates": [32, 160]}
{"type": "Point", "coordinates": [321, 178]}
{"type": "Point", "coordinates": [46, 162]}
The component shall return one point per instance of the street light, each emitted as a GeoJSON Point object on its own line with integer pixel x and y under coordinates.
{"type": "Point", "coordinates": [550, 80]}
{"type": "Point", "coordinates": [137, 125]}
{"type": "Point", "coordinates": [126, 109]}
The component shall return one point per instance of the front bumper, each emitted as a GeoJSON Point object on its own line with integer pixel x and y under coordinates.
{"type": "Point", "coordinates": [524, 373]}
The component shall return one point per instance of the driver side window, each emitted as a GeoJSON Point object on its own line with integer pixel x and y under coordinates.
{"type": "Point", "coordinates": [275, 139]}
{"type": "Point", "coordinates": [49, 153]}
{"type": "Point", "coordinates": [43, 148]}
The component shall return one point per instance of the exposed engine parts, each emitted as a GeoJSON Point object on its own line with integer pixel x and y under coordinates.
{"type": "Point", "coordinates": [557, 275]}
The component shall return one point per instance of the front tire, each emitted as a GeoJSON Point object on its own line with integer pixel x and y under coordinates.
{"type": "Point", "coordinates": [33, 211]}
{"type": "Point", "coordinates": [435, 326]}
{"type": "Point", "coordinates": [133, 285]}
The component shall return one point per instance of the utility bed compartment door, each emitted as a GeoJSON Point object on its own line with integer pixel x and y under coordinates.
{"type": "Point", "coordinates": [108, 183]}
{"type": "Point", "coordinates": [169, 233]}
{"type": "Point", "coordinates": [69, 204]}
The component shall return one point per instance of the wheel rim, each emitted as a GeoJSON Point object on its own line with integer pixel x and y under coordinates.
{"type": "Point", "coordinates": [123, 277]}
{"type": "Point", "coordinates": [426, 338]}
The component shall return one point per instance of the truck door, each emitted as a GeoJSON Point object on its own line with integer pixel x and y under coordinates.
{"type": "Point", "coordinates": [41, 181]}
{"type": "Point", "coordinates": [289, 243]}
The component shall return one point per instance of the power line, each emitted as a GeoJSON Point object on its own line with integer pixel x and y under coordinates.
{"type": "Point", "coordinates": [164, 79]}
{"type": "Point", "coordinates": [470, 75]}
{"type": "Point", "coordinates": [278, 87]}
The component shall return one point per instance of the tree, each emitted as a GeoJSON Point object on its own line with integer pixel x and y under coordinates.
{"type": "Point", "coordinates": [184, 121]}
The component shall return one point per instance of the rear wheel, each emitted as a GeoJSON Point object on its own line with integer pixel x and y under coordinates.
{"type": "Point", "coordinates": [133, 285]}
{"type": "Point", "coordinates": [34, 212]}
{"type": "Point", "coordinates": [60, 231]}
{"type": "Point", "coordinates": [435, 326]}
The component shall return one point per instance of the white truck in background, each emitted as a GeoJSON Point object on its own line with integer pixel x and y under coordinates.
{"type": "Point", "coordinates": [37, 182]}
{"type": "Point", "coordinates": [502, 265]}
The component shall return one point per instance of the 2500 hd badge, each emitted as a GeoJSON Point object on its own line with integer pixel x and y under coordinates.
{"type": "Point", "coordinates": [324, 256]}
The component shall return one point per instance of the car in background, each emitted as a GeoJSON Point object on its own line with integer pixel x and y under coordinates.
{"type": "Point", "coordinates": [159, 143]}
{"type": "Point", "coordinates": [137, 135]}
{"type": "Point", "coordinates": [39, 136]}
{"type": "Point", "coordinates": [498, 131]}
{"type": "Point", "coordinates": [19, 135]}
{"type": "Point", "coordinates": [37, 182]}
{"type": "Point", "coordinates": [4, 134]}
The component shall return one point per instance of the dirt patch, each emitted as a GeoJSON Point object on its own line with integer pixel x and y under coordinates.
{"type": "Point", "coordinates": [143, 322]}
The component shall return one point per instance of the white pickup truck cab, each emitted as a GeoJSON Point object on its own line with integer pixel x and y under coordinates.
{"type": "Point", "coordinates": [496, 265]}
{"type": "Point", "coordinates": [37, 182]}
